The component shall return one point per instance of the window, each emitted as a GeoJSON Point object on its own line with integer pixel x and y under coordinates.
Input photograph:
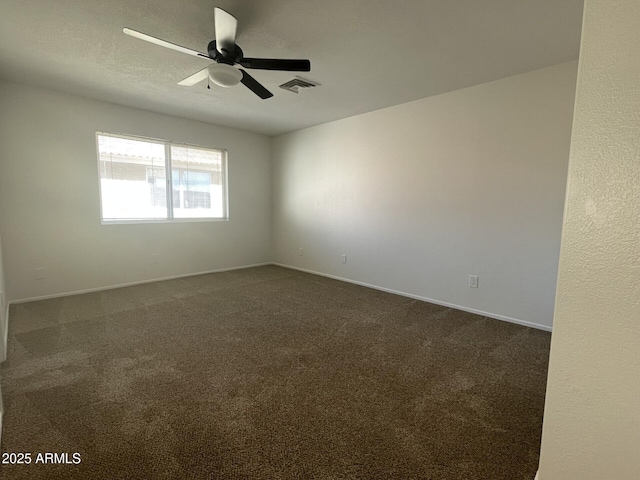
{"type": "Point", "coordinates": [135, 184]}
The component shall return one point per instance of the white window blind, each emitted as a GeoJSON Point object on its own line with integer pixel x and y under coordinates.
{"type": "Point", "coordinates": [198, 187]}
{"type": "Point", "coordinates": [134, 184]}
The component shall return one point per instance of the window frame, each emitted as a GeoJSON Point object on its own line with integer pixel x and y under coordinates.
{"type": "Point", "coordinates": [169, 181]}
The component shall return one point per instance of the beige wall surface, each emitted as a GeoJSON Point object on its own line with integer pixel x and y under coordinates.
{"type": "Point", "coordinates": [421, 195]}
{"type": "Point", "coordinates": [50, 206]}
{"type": "Point", "coordinates": [4, 309]}
{"type": "Point", "coordinates": [592, 415]}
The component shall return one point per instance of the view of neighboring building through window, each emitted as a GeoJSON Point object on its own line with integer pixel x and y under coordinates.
{"type": "Point", "coordinates": [134, 181]}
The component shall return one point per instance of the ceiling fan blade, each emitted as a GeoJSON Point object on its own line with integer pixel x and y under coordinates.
{"type": "Point", "coordinates": [255, 86]}
{"type": "Point", "coordinates": [276, 64]}
{"type": "Point", "coordinates": [226, 26]}
{"type": "Point", "coordinates": [195, 78]}
{"type": "Point", "coordinates": [163, 43]}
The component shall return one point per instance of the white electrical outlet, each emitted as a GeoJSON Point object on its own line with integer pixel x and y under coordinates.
{"type": "Point", "coordinates": [155, 258]}
{"type": "Point", "coordinates": [344, 258]}
{"type": "Point", "coordinates": [41, 273]}
{"type": "Point", "coordinates": [300, 252]}
{"type": "Point", "coordinates": [473, 281]}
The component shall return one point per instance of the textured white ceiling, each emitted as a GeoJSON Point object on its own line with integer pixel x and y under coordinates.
{"type": "Point", "coordinates": [365, 54]}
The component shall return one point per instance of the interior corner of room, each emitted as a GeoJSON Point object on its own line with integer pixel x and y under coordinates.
{"type": "Point", "coordinates": [469, 183]}
{"type": "Point", "coordinates": [416, 210]}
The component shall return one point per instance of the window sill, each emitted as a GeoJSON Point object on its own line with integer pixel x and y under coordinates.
{"type": "Point", "coordinates": [160, 220]}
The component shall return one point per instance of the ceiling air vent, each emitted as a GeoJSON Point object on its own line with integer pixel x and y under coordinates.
{"type": "Point", "coordinates": [297, 85]}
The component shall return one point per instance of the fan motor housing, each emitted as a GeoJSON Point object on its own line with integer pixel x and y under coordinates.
{"type": "Point", "coordinates": [224, 57]}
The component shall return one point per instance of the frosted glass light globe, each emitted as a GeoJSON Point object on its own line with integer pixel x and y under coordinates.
{"type": "Point", "coordinates": [224, 75]}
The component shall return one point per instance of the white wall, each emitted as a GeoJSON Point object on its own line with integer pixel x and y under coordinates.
{"type": "Point", "coordinates": [592, 412]}
{"type": "Point", "coordinates": [421, 195]}
{"type": "Point", "coordinates": [1, 415]}
{"type": "Point", "coordinates": [49, 200]}
{"type": "Point", "coordinates": [4, 312]}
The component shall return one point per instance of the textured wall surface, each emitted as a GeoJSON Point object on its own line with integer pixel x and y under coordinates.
{"type": "Point", "coordinates": [421, 195]}
{"type": "Point", "coordinates": [592, 417]}
{"type": "Point", "coordinates": [50, 204]}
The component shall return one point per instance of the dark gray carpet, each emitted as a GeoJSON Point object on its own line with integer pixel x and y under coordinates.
{"type": "Point", "coordinates": [270, 373]}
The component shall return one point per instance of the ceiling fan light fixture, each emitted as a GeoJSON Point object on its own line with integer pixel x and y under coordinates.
{"type": "Point", "coordinates": [224, 75]}
{"type": "Point", "coordinates": [226, 53]}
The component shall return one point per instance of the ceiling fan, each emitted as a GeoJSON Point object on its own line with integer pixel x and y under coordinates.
{"type": "Point", "coordinates": [226, 53]}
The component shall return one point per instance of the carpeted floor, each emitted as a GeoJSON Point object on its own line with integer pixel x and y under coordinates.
{"type": "Point", "coordinates": [269, 373]}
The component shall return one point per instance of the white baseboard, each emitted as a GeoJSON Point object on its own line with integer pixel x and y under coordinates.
{"type": "Point", "coordinates": [129, 284]}
{"type": "Point", "coordinates": [2, 359]}
{"type": "Point", "coordinates": [1, 415]}
{"type": "Point", "coordinates": [335, 277]}
{"type": "Point", "coordinates": [424, 299]}
{"type": "Point", "coordinates": [5, 335]}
